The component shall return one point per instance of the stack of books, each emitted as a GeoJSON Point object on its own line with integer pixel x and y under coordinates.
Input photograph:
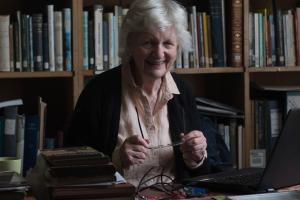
{"type": "Point", "coordinates": [12, 186]}
{"type": "Point", "coordinates": [79, 173]}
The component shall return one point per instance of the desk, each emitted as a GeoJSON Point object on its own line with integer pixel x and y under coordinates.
{"type": "Point", "coordinates": [209, 196]}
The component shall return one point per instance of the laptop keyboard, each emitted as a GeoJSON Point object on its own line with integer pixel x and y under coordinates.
{"type": "Point", "coordinates": [246, 178]}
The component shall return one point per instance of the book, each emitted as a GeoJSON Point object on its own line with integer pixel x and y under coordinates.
{"type": "Point", "coordinates": [4, 43]}
{"type": "Point", "coordinates": [67, 31]}
{"type": "Point", "coordinates": [74, 156]}
{"type": "Point", "coordinates": [94, 191]}
{"type": "Point", "coordinates": [20, 132]}
{"type": "Point", "coordinates": [37, 33]}
{"type": "Point", "coordinates": [208, 105]}
{"type": "Point", "coordinates": [10, 112]}
{"type": "Point", "coordinates": [31, 138]}
{"type": "Point", "coordinates": [58, 40]}
{"type": "Point", "coordinates": [237, 30]}
{"type": "Point", "coordinates": [98, 21]}
{"type": "Point", "coordinates": [85, 40]}
{"type": "Point", "coordinates": [217, 30]}
{"type": "Point", "coordinates": [51, 34]}
{"type": "Point", "coordinates": [42, 107]}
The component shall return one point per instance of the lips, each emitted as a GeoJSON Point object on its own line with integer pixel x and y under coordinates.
{"type": "Point", "coordinates": [155, 62]}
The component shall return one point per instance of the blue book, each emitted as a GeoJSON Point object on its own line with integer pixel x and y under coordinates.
{"type": "Point", "coordinates": [10, 140]}
{"type": "Point", "coordinates": [105, 45]}
{"type": "Point", "coordinates": [32, 126]}
{"type": "Point", "coordinates": [67, 31]}
{"type": "Point", "coordinates": [217, 32]}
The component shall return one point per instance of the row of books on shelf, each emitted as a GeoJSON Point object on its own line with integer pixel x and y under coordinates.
{"type": "Point", "coordinates": [22, 135]}
{"type": "Point", "coordinates": [36, 42]}
{"type": "Point", "coordinates": [101, 30]}
{"type": "Point", "coordinates": [229, 126]}
{"type": "Point", "coordinates": [209, 40]}
{"type": "Point", "coordinates": [268, 115]}
{"type": "Point", "coordinates": [274, 38]}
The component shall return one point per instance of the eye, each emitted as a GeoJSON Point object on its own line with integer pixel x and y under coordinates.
{"type": "Point", "coordinates": [147, 44]}
{"type": "Point", "coordinates": [169, 44]}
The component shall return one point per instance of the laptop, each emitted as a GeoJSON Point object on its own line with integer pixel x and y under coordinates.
{"type": "Point", "coordinates": [282, 169]}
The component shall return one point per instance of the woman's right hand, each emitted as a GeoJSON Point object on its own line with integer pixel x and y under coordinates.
{"type": "Point", "coordinates": [133, 151]}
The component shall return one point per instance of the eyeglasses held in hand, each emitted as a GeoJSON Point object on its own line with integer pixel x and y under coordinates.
{"type": "Point", "coordinates": [160, 146]}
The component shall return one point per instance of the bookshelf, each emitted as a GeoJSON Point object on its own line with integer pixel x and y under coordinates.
{"type": "Point", "coordinates": [58, 88]}
{"type": "Point", "coordinates": [230, 85]}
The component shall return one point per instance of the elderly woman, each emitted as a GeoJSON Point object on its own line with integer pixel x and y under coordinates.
{"type": "Point", "coordinates": [139, 113]}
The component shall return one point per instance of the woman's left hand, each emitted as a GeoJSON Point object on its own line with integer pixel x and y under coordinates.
{"type": "Point", "coordinates": [194, 146]}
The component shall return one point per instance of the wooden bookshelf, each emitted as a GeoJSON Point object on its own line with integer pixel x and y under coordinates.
{"type": "Point", "coordinates": [231, 85]}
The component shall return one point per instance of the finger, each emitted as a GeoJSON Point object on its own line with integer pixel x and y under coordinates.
{"type": "Point", "coordinates": [193, 134]}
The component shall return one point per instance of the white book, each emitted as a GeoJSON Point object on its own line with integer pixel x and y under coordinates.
{"type": "Point", "coordinates": [85, 40]}
{"type": "Point", "coordinates": [14, 102]}
{"type": "Point", "coordinates": [58, 31]}
{"type": "Point", "coordinates": [4, 43]}
{"type": "Point", "coordinates": [98, 19]}
{"type": "Point", "coordinates": [50, 13]}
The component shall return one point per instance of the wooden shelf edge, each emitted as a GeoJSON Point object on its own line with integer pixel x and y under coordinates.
{"type": "Point", "coordinates": [7, 75]}
{"type": "Point", "coordinates": [210, 70]}
{"type": "Point", "coordinates": [272, 69]}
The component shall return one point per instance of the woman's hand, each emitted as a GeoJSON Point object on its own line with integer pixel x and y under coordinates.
{"type": "Point", "coordinates": [194, 146]}
{"type": "Point", "coordinates": [133, 151]}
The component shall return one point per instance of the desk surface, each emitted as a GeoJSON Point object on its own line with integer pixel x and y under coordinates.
{"type": "Point", "coordinates": [154, 193]}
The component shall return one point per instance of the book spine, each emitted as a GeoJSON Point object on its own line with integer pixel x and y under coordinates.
{"type": "Point", "coordinates": [37, 26]}
{"type": "Point", "coordinates": [4, 43]}
{"type": "Point", "coordinates": [10, 142]}
{"type": "Point", "coordinates": [25, 44]}
{"type": "Point", "coordinates": [31, 141]}
{"type": "Point", "coordinates": [105, 44]}
{"type": "Point", "coordinates": [85, 41]}
{"type": "Point", "coordinates": [98, 20]}
{"type": "Point", "coordinates": [58, 41]}
{"type": "Point", "coordinates": [11, 48]}
{"type": "Point", "coordinates": [67, 39]}
{"type": "Point", "coordinates": [20, 132]}
{"type": "Point", "coordinates": [51, 41]}
{"type": "Point", "coordinates": [30, 45]}
{"type": "Point", "coordinates": [110, 40]}
{"type": "Point", "coordinates": [91, 44]}
{"type": "Point", "coordinates": [237, 30]}
{"type": "Point", "coordinates": [217, 33]}
{"type": "Point", "coordinates": [18, 41]}
{"type": "Point", "coordinates": [45, 48]}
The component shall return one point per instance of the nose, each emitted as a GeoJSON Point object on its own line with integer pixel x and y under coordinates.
{"type": "Point", "coordinates": [159, 51]}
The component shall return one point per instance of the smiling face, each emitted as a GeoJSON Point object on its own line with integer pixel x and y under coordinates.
{"type": "Point", "coordinates": [153, 53]}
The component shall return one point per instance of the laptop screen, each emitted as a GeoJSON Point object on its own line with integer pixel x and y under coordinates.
{"type": "Point", "coordinates": [283, 166]}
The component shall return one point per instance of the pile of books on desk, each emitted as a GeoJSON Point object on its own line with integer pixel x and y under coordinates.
{"type": "Point", "coordinates": [79, 173]}
{"type": "Point", "coordinates": [12, 186]}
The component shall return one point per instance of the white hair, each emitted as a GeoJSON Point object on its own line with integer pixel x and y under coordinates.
{"type": "Point", "coordinates": [144, 15]}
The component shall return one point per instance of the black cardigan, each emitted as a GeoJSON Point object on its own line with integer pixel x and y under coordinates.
{"type": "Point", "coordinates": [95, 121]}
